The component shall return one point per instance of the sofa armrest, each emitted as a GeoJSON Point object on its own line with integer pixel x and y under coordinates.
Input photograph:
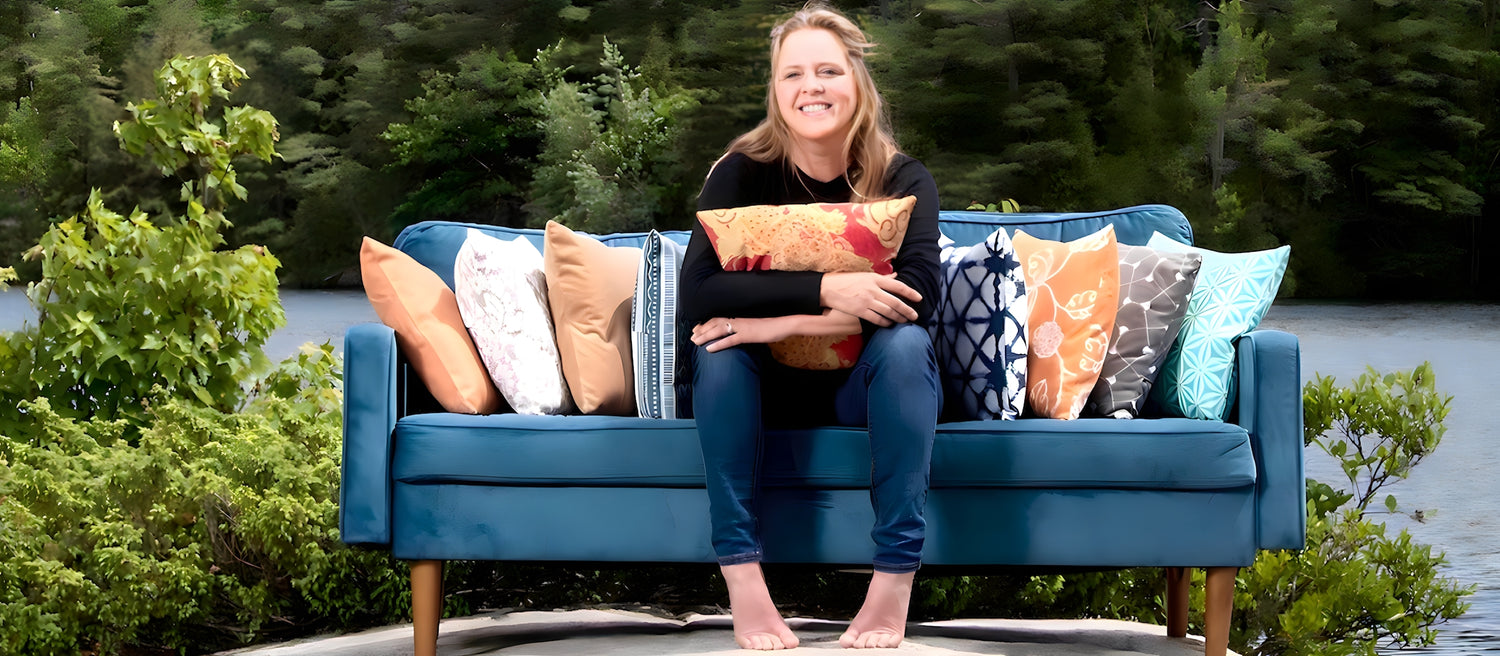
{"type": "Point", "coordinates": [370, 412]}
{"type": "Point", "coordinates": [1270, 408]}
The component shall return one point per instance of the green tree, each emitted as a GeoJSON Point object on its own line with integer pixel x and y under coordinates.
{"type": "Point", "coordinates": [1399, 85]}
{"type": "Point", "coordinates": [473, 142]}
{"type": "Point", "coordinates": [125, 305]}
{"type": "Point", "coordinates": [605, 164]}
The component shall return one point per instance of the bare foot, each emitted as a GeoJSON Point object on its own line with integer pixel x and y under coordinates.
{"type": "Point", "coordinates": [757, 623]}
{"type": "Point", "coordinates": [881, 622]}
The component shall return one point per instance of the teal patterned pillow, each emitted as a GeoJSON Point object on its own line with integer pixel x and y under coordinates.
{"type": "Point", "coordinates": [1230, 297]}
{"type": "Point", "coordinates": [653, 317]}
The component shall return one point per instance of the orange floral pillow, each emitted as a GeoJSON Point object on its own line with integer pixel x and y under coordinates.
{"type": "Point", "coordinates": [830, 238]}
{"type": "Point", "coordinates": [1074, 291]}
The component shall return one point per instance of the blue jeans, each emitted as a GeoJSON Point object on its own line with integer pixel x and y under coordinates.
{"type": "Point", "coordinates": [897, 370]}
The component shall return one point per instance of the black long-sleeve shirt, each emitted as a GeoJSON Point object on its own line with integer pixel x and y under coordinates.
{"type": "Point", "coordinates": [706, 290]}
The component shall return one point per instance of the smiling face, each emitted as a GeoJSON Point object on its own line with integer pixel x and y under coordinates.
{"type": "Point", "coordinates": [816, 92]}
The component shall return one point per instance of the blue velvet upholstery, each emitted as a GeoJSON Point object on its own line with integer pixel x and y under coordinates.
{"type": "Point", "coordinates": [369, 419]}
{"type": "Point", "coordinates": [1133, 225]}
{"type": "Point", "coordinates": [1034, 492]}
{"type": "Point", "coordinates": [510, 449]}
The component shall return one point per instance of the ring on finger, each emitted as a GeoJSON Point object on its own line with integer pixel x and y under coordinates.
{"type": "Point", "coordinates": [728, 327]}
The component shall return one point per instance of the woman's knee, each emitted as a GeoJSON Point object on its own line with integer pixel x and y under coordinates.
{"type": "Point", "coordinates": [724, 369]}
{"type": "Point", "coordinates": [904, 345]}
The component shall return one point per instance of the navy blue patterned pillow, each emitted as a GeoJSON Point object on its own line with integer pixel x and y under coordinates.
{"type": "Point", "coordinates": [980, 330]}
{"type": "Point", "coordinates": [652, 327]}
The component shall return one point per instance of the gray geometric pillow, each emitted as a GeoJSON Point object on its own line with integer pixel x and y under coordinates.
{"type": "Point", "coordinates": [1154, 290]}
{"type": "Point", "coordinates": [980, 327]}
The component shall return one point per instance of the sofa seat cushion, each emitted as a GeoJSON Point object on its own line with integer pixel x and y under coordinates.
{"type": "Point", "coordinates": [597, 451]}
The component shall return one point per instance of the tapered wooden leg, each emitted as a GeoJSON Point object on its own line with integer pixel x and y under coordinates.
{"type": "Point", "coordinates": [426, 604]}
{"type": "Point", "coordinates": [1218, 605]}
{"type": "Point", "coordinates": [1178, 582]}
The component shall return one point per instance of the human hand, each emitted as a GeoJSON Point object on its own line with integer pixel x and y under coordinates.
{"type": "Point", "coordinates": [869, 296]}
{"type": "Point", "coordinates": [722, 333]}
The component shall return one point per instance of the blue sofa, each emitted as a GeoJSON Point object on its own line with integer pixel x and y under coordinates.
{"type": "Point", "coordinates": [1092, 493]}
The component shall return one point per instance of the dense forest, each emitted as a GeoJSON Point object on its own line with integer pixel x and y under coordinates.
{"type": "Point", "coordinates": [1361, 132]}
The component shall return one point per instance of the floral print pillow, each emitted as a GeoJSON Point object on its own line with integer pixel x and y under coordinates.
{"type": "Point", "coordinates": [825, 237]}
{"type": "Point", "coordinates": [1074, 290]}
{"type": "Point", "coordinates": [502, 296]}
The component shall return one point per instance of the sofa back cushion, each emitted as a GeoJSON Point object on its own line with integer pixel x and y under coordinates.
{"type": "Point", "coordinates": [1133, 225]}
{"type": "Point", "coordinates": [435, 243]}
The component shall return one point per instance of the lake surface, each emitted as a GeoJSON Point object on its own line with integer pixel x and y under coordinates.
{"type": "Point", "coordinates": [1461, 480]}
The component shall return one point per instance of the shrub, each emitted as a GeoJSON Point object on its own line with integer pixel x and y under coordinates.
{"type": "Point", "coordinates": [1355, 587]}
{"type": "Point", "coordinates": [160, 484]}
{"type": "Point", "coordinates": [212, 529]}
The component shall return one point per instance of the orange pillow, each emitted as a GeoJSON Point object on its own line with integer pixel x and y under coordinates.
{"type": "Point", "coordinates": [590, 287]}
{"type": "Point", "coordinates": [1073, 289]}
{"type": "Point", "coordinates": [418, 305]}
{"type": "Point", "coordinates": [824, 237]}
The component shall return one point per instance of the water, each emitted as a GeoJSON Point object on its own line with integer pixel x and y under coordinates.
{"type": "Point", "coordinates": [311, 316]}
{"type": "Point", "coordinates": [1461, 480]}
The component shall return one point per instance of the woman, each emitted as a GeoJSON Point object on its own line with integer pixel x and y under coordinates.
{"type": "Point", "coordinates": [825, 138]}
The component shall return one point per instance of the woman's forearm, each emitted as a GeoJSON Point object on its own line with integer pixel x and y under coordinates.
{"type": "Point", "coordinates": [830, 323]}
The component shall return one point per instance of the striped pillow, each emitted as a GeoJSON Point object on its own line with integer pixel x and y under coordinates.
{"type": "Point", "coordinates": [653, 316]}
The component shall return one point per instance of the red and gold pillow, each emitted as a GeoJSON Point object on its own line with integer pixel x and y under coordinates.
{"type": "Point", "coordinates": [1073, 289]}
{"type": "Point", "coordinates": [824, 237]}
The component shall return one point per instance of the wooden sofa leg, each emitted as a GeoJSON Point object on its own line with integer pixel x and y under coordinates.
{"type": "Point", "coordinates": [1178, 582]}
{"type": "Point", "coordinates": [426, 605]}
{"type": "Point", "coordinates": [1218, 607]}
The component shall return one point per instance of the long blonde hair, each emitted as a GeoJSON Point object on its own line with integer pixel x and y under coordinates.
{"type": "Point", "coordinates": [870, 146]}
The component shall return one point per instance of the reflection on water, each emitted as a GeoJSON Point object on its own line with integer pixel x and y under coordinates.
{"type": "Point", "coordinates": [1461, 480]}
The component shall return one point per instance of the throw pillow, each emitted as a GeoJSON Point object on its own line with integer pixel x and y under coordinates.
{"type": "Point", "coordinates": [415, 302]}
{"type": "Point", "coordinates": [980, 327]}
{"type": "Point", "coordinates": [1154, 289]}
{"type": "Point", "coordinates": [502, 296]}
{"type": "Point", "coordinates": [1232, 294]}
{"type": "Point", "coordinates": [589, 288]}
{"type": "Point", "coordinates": [830, 238]}
{"type": "Point", "coordinates": [1073, 289]}
{"type": "Point", "coordinates": [653, 327]}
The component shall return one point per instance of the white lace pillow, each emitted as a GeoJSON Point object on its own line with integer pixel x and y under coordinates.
{"type": "Point", "coordinates": [502, 297]}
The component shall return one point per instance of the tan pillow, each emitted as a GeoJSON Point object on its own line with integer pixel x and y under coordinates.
{"type": "Point", "coordinates": [590, 287]}
{"type": "Point", "coordinates": [418, 305]}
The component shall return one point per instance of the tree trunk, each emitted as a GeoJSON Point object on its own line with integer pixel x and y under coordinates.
{"type": "Point", "coordinates": [1207, 15]}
